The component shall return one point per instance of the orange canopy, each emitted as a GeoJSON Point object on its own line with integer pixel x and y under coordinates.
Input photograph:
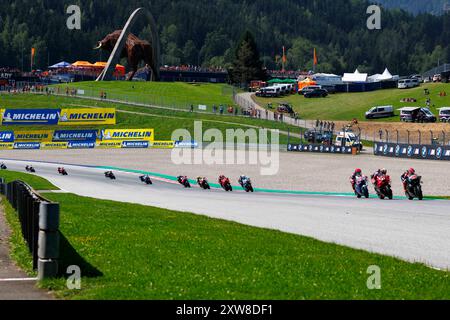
{"type": "Point", "coordinates": [82, 64]}
{"type": "Point", "coordinates": [306, 83]}
{"type": "Point", "coordinates": [119, 68]}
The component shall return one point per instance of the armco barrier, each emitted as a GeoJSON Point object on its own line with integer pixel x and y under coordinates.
{"type": "Point", "coordinates": [319, 148]}
{"type": "Point", "coordinates": [413, 151]}
{"type": "Point", "coordinates": [39, 219]}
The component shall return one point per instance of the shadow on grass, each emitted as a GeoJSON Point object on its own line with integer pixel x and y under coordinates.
{"type": "Point", "coordinates": [70, 257]}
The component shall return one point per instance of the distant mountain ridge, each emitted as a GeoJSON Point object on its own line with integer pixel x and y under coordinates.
{"type": "Point", "coordinates": [435, 7]}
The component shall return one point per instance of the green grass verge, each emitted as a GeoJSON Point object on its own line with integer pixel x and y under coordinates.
{"type": "Point", "coordinates": [139, 252]}
{"type": "Point", "coordinates": [175, 95]}
{"type": "Point", "coordinates": [19, 251]}
{"type": "Point", "coordinates": [165, 122]}
{"type": "Point", "coordinates": [346, 106]}
{"type": "Point", "coordinates": [36, 182]}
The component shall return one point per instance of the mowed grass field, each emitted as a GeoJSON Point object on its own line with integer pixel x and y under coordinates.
{"type": "Point", "coordinates": [164, 121]}
{"type": "Point", "coordinates": [347, 106]}
{"type": "Point", "coordinates": [178, 95]}
{"type": "Point", "coordinates": [128, 251]}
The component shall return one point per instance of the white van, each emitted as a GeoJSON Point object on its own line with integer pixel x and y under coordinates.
{"type": "Point", "coordinates": [348, 139]}
{"type": "Point", "coordinates": [406, 84]}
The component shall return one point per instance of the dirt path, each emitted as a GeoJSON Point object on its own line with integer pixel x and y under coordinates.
{"type": "Point", "coordinates": [14, 283]}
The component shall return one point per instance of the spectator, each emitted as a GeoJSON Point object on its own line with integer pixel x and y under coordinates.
{"type": "Point", "coordinates": [221, 109]}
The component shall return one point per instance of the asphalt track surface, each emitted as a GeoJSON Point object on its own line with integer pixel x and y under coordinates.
{"type": "Point", "coordinates": [415, 231]}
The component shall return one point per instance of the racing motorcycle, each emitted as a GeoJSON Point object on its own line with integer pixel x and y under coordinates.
{"type": "Point", "coordinates": [414, 187]}
{"type": "Point", "coordinates": [382, 186]}
{"type": "Point", "coordinates": [203, 183]}
{"type": "Point", "coordinates": [361, 188]}
{"type": "Point", "coordinates": [62, 171]}
{"type": "Point", "coordinates": [225, 184]}
{"type": "Point", "coordinates": [3, 166]}
{"type": "Point", "coordinates": [146, 180]}
{"type": "Point", "coordinates": [30, 169]}
{"type": "Point", "coordinates": [247, 185]}
{"type": "Point", "coordinates": [110, 174]}
{"type": "Point", "coordinates": [184, 181]}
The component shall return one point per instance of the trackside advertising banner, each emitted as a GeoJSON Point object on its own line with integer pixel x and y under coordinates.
{"type": "Point", "coordinates": [63, 117]}
{"type": "Point", "coordinates": [6, 136]}
{"type": "Point", "coordinates": [75, 135]}
{"type": "Point", "coordinates": [163, 144]}
{"type": "Point", "coordinates": [128, 134]}
{"type": "Point", "coordinates": [33, 136]}
{"type": "Point", "coordinates": [414, 151]}
{"type": "Point", "coordinates": [20, 117]}
{"type": "Point", "coordinates": [76, 117]}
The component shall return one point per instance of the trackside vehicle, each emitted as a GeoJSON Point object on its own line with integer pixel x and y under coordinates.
{"type": "Point", "coordinates": [380, 112]}
{"type": "Point", "coordinates": [308, 89]}
{"type": "Point", "coordinates": [444, 114]}
{"type": "Point", "coordinates": [416, 114]}
{"type": "Point", "coordinates": [407, 83]}
{"type": "Point", "coordinates": [348, 139]}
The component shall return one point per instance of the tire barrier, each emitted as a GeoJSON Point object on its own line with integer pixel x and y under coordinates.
{"type": "Point", "coordinates": [412, 151]}
{"type": "Point", "coordinates": [39, 220]}
{"type": "Point", "coordinates": [319, 148]}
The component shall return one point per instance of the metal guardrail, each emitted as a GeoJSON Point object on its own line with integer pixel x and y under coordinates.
{"type": "Point", "coordinates": [39, 219]}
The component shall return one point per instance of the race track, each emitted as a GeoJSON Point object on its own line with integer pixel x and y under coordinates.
{"type": "Point", "coordinates": [413, 231]}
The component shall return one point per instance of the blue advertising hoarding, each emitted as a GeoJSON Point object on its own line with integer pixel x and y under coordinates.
{"type": "Point", "coordinates": [30, 117]}
{"type": "Point", "coordinates": [75, 135]}
{"type": "Point", "coordinates": [6, 136]}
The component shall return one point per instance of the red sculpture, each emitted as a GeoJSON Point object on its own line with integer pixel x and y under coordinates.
{"type": "Point", "coordinates": [135, 50]}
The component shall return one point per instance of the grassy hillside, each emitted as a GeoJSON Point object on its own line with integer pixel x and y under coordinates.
{"type": "Point", "coordinates": [128, 251]}
{"type": "Point", "coordinates": [346, 106]}
{"type": "Point", "coordinates": [178, 95]}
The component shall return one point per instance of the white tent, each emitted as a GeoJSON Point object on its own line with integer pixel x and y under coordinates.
{"type": "Point", "coordinates": [386, 76]}
{"type": "Point", "coordinates": [355, 77]}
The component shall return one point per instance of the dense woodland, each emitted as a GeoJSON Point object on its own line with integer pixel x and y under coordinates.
{"type": "Point", "coordinates": [417, 6]}
{"type": "Point", "coordinates": [205, 32]}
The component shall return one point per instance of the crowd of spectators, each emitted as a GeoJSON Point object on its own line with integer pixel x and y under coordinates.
{"type": "Point", "coordinates": [189, 68]}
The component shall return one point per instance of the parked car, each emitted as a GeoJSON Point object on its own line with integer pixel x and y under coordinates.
{"type": "Point", "coordinates": [313, 136]}
{"type": "Point", "coordinates": [417, 114]}
{"type": "Point", "coordinates": [285, 108]}
{"type": "Point", "coordinates": [444, 114]}
{"type": "Point", "coordinates": [380, 112]}
{"type": "Point", "coordinates": [308, 89]}
{"type": "Point", "coordinates": [437, 78]}
{"type": "Point", "coordinates": [408, 83]}
{"type": "Point", "coordinates": [268, 92]}
{"type": "Point", "coordinates": [418, 77]}
{"type": "Point", "coordinates": [316, 93]}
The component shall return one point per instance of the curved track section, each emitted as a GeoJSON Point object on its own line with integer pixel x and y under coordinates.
{"type": "Point", "coordinates": [413, 231]}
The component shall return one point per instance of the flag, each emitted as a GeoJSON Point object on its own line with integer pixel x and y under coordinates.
{"type": "Point", "coordinates": [315, 57]}
{"type": "Point", "coordinates": [284, 55]}
{"type": "Point", "coordinates": [33, 53]}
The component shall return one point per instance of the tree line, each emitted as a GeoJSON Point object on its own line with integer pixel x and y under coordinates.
{"type": "Point", "coordinates": [203, 32]}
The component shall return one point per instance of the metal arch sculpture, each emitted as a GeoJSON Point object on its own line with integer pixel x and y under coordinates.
{"type": "Point", "coordinates": [124, 44]}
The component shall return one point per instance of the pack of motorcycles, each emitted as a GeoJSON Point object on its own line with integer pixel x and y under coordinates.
{"type": "Point", "coordinates": [382, 184]}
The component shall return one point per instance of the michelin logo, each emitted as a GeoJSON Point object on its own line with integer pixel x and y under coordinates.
{"type": "Point", "coordinates": [135, 144]}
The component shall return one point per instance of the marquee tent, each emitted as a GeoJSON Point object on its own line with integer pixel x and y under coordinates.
{"type": "Point", "coordinates": [82, 64]}
{"type": "Point", "coordinates": [355, 77]}
{"type": "Point", "coordinates": [60, 65]}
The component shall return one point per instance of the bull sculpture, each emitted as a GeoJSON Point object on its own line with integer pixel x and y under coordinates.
{"type": "Point", "coordinates": [135, 50]}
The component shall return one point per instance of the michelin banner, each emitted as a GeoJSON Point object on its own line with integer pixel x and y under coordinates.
{"type": "Point", "coordinates": [63, 117]}
{"type": "Point", "coordinates": [98, 116]}
{"type": "Point", "coordinates": [34, 136]}
{"type": "Point", "coordinates": [128, 134]}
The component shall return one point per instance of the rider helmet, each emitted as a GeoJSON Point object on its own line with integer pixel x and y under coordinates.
{"type": "Point", "coordinates": [411, 171]}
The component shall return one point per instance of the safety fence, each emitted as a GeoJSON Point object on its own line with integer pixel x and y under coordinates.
{"type": "Point", "coordinates": [412, 151]}
{"type": "Point", "coordinates": [39, 220]}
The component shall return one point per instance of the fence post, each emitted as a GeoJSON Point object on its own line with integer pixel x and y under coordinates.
{"type": "Point", "coordinates": [420, 137]}
{"type": "Point", "coordinates": [48, 240]}
{"type": "Point", "coordinates": [407, 134]}
{"type": "Point", "coordinates": [387, 136]}
{"type": "Point", "coordinates": [443, 137]}
{"type": "Point", "coordinates": [397, 136]}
